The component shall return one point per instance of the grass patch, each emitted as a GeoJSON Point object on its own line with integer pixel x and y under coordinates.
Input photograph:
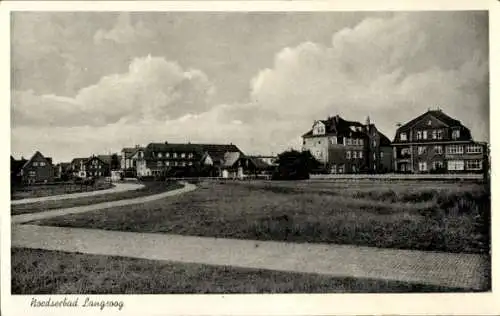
{"type": "Point", "coordinates": [451, 218]}
{"type": "Point", "coordinates": [41, 190]}
{"type": "Point", "coordinates": [53, 272]}
{"type": "Point", "coordinates": [150, 188]}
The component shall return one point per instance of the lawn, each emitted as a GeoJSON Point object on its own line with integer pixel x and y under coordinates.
{"type": "Point", "coordinates": [41, 190]}
{"type": "Point", "coordinates": [52, 272]}
{"type": "Point", "coordinates": [448, 217]}
{"type": "Point", "coordinates": [150, 188]}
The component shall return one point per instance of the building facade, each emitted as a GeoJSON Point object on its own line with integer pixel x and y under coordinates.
{"type": "Point", "coordinates": [38, 169]}
{"type": "Point", "coordinates": [348, 146]}
{"type": "Point", "coordinates": [90, 167]}
{"type": "Point", "coordinates": [437, 143]}
{"type": "Point", "coordinates": [160, 159]}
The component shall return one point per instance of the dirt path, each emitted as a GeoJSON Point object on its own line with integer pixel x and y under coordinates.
{"type": "Point", "coordinates": [443, 269]}
{"type": "Point", "coordinates": [118, 187]}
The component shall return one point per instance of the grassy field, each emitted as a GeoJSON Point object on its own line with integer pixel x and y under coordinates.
{"type": "Point", "coordinates": [448, 217]}
{"type": "Point", "coordinates": [55, 189]}
{"type": "Point", "coordinates": [53, 272]}
{"type": "Point", "coordinates": [149, 189]}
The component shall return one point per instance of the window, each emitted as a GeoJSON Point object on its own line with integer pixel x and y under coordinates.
{"type": "Point", "coordinates": [455, 149]}
{"type": "Point", "coordinates": [424, 135]}
{"type": "Point", "coordinates": [159, 155]}
{"type": "Point", "coordinates": [405, 151]}
{"type": "Point", "coordinates": [381, 154]}
{"type": "Point", "coordinates": [190, 155]}
{"type": "Point", "coordinates": [35, 163]}
{"type": "Point", "coordinates": [374, 143]}
{"type": "Point", "coordinates": [333, 140]}
{"type": "Point", "coordinates": [455, 165]}
{"type": "Point", "coordinates": [167, 155]}
{"type": "Point", "coordinates": [319, 142]}
{"type": "Point", "coordinates": [474, 149]}
{"type": "Point", "coordinates": [183, 155]}
{"type": "Point", "coordinates": [360, 155]}
{"type": "Point", "coordinates": [349, 141]}
{"type": "Point", "coordinates": [438, 150]}
{"type": "Point", "coordinates": [160, 163]}
{"type": "Point", "coordinates": [348, 155]}
{"type": "Point", "coordinates": [190, 163]}
{"type": "Point", "coordinates": [41, 164]}
{"type": "Point", "coordinates": [429, 122]}
{"type": "Point", "coordinates": [32, 173]}
{"type": "Point", "coordinates": [100, 174]}
{"type": "Point", "coordinates": [439, 134]}
{"type": "Point", "coordinates": [341, 169]}
{"type": "Point", "coordinates": [174, 155]}
{"type": "Point", "coordinates": [99, 167]}
{"type": "Point", "coordinates": [167, 163]}
{"type": "Point", "coordinates": [474, 164]}
{"type": "Point", "coordinates": [183, 163]}
{"type": "Point", "coordinates": [434, 134]}
{"type": "Point", "coordinates": [361, 142]}
{"type": "Point", "coordinates": [374, 156]}
{"type": "Point", "coordinates": [422, 150]}
{"type": "Point", "coordinates": [422, 166]}
{"type": "Point", "coordinates": [419, 134]}
{"type": "Point", "coordinates": [437, 165]}
{"type": "Point", "coordinates": [354, 155]}
{"type": "Point", "coordinates": [455, 134]}
{"type": "Point", "coordinates": [174, 163]}
{"type": "Point", "coordinates": [402, 136]}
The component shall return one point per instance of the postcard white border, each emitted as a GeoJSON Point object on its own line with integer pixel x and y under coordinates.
{"type": "Point", "coordinates": [276, 304]}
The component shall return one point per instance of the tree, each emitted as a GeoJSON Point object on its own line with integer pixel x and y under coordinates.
{"type": "Point", "coordinates": [295, 165]}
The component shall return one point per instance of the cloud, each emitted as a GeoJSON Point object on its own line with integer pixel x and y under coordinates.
{"type": "Point", "coordinates": [390, 69]}
{"type": "Point", "coordinates": [124, 31]}
{"type": "Point", "coordinates": [153, 88]}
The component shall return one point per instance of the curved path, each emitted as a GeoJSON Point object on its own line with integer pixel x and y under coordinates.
{"type": "Point", "coordinates": [468, 271]}
{"type": "Point", "coordinates": [118, 187]}
{"type": "Point", "coordinates": [23, 218]}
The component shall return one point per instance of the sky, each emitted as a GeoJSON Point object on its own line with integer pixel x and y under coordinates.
{"type": "Point", "coordinates": [87, 83]}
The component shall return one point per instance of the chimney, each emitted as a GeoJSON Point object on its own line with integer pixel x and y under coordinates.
{"type": "Point", "coordinates": [368, 121]}
{"type": "Point", "coordinates": [166, 143]}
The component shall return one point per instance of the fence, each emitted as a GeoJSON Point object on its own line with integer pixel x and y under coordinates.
{"type": "Point", "coordinates": [393, 176]}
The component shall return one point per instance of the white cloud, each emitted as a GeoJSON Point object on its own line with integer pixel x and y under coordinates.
{"type": "Point", "coordinates": [153, 88]}
{"type": "Point", "coordinates": [391, 69]}
{"type": "Point", "coordinates": [378, 68]}
{"type": "Point", "coordinates": [123, 32]}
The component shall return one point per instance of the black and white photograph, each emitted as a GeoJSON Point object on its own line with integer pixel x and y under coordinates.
{"type": "Point", "coordinates": [247, 152]}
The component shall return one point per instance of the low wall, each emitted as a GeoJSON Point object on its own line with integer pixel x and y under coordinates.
{"type": "Point", "coordinates": [395, 176]}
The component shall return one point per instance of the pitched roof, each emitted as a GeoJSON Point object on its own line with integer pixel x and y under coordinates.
{"type": "Point", "coordinates": [16, 165]}
{"type": "Point", "coordinates": [78, 160]}
{"type": "Point", "coordinates": [230, 158]}
{"type": "Point", "coordinates": [216, 151]}
{"type": "Point", "coordinates": [440, 115]}
{"type": "Point", "coordinates": [259, 163]}
{"type": "Point", "coordinates": [37, 153]}
{"type": "Point", "coordinates": [337, 125]}
{"type": "Point", "coordinates": [105, 158]}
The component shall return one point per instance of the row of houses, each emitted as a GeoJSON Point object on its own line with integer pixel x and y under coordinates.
{"type": "Point", "coordinates": [432, 142]}
{"type": "Point", "coordinates": [217, 160]}
{"type": "Point", "coordinates": [153, 160]}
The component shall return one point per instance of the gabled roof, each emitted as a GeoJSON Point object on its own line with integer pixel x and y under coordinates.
{"type": "Point", "coordinates": [16, 165]}
{"type": "Point", "coordinates": [438, 114]}
{"type": "Point", "coordinates": [259, 163]}
{"type": "Point", "coordinates": [230, 159]}
{"type": "Point", "coordinates": [105, 158]}
{"type": "Point", "coordinates": [78, 160]}
{"type": "Point", "coordinates": [37, 153]}
{"type": "Point", "coordinates": [215, 151]}
{"type": "Point", "coordinates": [338, 126]}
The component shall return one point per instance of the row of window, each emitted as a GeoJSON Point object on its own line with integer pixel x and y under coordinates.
{"type": "Point", "coordinates": [174, 163]}
{"type": "Point", "coordinates": [354, 141]}
{"type": "Point", "coordinates": [174, 155]}
{"type": "Point", "coordinates": [453, 165]}
{"type": "Point", "coordinates": [95, 174]}
{"type": "Point", "coordinates": [354, 154]}
{"type": "Point", "coordinates": [39, 164]}
{"type": "Point", "coordinates": [359, 154]}
{"type": "Point", "coordinates": [430, 134]}
{"type": "Point", "coordinates": [451, 149]}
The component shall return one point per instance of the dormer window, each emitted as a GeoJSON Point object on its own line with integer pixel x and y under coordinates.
{"type": "Point", "coordinates": [429, 122]}
{"type": "Point", "coordinates": [455, 134]}
{"type": "Point", "coordinates": [160, 155]}
{"type": "Point", "coordinates": [419, 134]}
{"type": "Point", "coordinates": [318, 128]}
{"type": "Point", "coordinates": [403, 136]}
